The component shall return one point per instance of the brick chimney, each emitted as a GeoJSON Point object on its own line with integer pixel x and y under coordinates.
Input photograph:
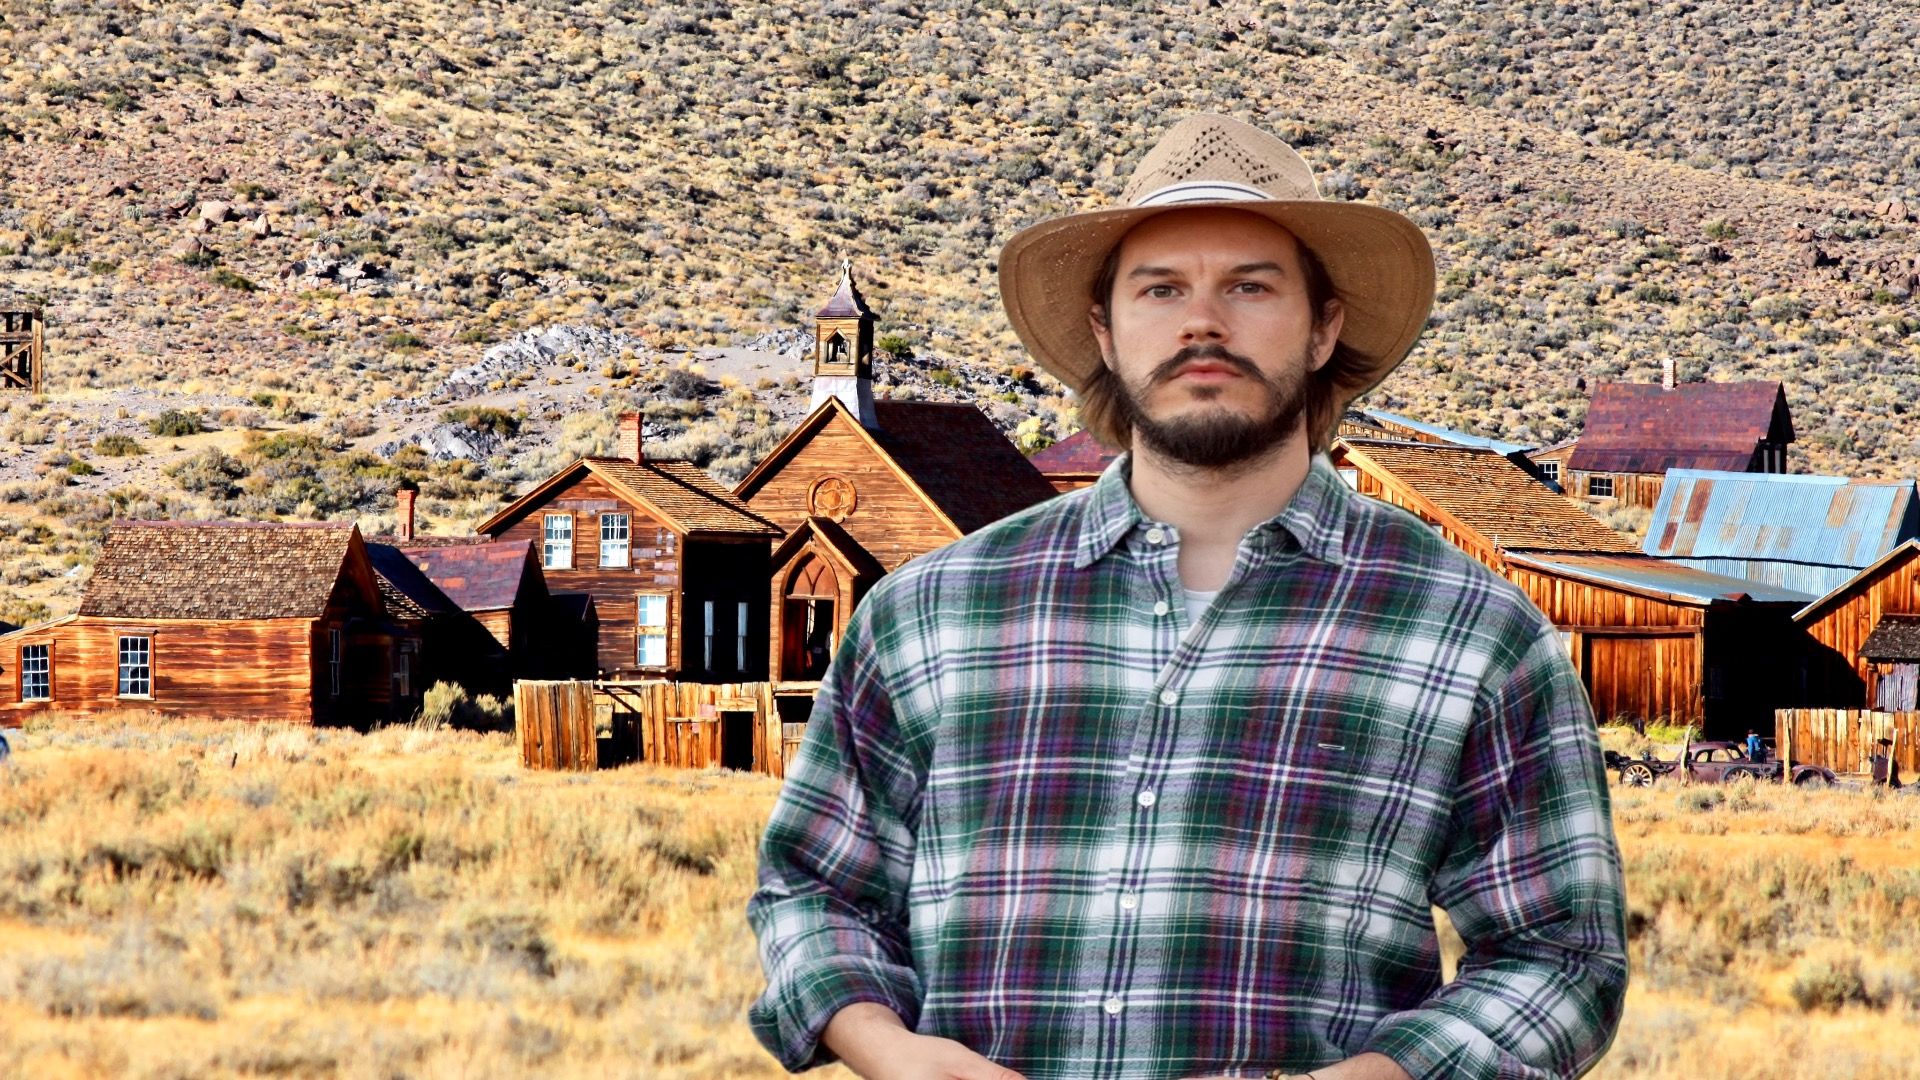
{"type": "Point", "coordinates": [627, 444]}
{"type": "Point", "coordinates": [404, 530]}
{"type": "Point", "coordinates": [1666, 373]}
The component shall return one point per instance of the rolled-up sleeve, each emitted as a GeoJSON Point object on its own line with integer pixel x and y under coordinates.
{"type": "Point", "coordinates": [835, 863]}
{"type": "Point", "coordinates": [1532, 882]}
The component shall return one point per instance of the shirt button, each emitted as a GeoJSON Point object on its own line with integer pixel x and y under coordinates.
{"type": "Point", "coordinates": [1169, 697]}
{"type": "Point", "coordinates": [1161, 608]}
{"type": "Point", "coordinates": [1129, 901]}
{"type": "Point", "coordinates": [1146, 798]}
{"type": "Point", "coordinates": [1156, 536]}
{"type": "Point", "coordinates": [1112, 1006]}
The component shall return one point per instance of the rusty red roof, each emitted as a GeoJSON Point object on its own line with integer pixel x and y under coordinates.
{"type": "Point", "coordinates": [970, 470]}
{"type": "Point", "coordinates": [1645, 428]}
{"type": "Point", "coordinates": [1077, 454]}
{"type": "Point", "coordinates": [481, 577]}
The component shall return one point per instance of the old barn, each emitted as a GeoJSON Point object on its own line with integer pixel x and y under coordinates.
{"type": "Point", "coordinates": [1636, 432]}
{"type": "Point", "coordinates": [221, 619]}
{"type": "Point", "coordinates": [1834, 668]}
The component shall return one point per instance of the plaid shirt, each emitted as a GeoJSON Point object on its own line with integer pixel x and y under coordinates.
{"type": "Point", "coordinates": [1037, 812]}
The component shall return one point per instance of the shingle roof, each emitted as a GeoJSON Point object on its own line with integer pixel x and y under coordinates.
{"type": "Point", "coordinates": [406, 592]}
{"type": "Point", "coordinates": [476, 577]}
{"type": "Point", "coordinates": [1078, 453]}
{"type": "Point", "coordinates": [1645, 428]}
{"type": "Point", "coordinates": [684, 492]}
{"type": "Point", "coordinates": [217, 570]}
{"type": "Point", "coordinates": [1894, 637]}
{"type": "Point", "coordinates": [846, 302]}
{"type": "Point", "coordinates": [1828, 520]}
{"type": "Point", "coordinates": [1489, 494]}
{"type": "Point", "coordinates": [964, 464]}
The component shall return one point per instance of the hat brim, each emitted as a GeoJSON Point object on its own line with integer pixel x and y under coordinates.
{"type": "Point", "coordinates": [1380, 264]}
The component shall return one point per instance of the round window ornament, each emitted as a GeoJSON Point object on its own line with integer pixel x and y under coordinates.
{"type": "Point", "coordinates": [833, 498]}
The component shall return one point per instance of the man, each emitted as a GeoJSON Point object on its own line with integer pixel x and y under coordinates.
{"type": "Point", "coordinates": [1756, 747]}
{"type": "Point", "coordinates": [1158, 779]}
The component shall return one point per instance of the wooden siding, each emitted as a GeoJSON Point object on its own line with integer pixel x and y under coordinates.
{"type": "Point", "coordinates": [1844, 739]}
{"type": "Point", "coordinates": [554, 723]}
{"type": "Point", "coordinates": [254, 670]}
{"type": "Point", "coordinates": [1577, 604]}
{"type": "Point", "coordinates": [890, 519]}
{"type": "Point", "coordinates": [683, 724]}
{"type": "Point", "coordinates": [1629, 489]}
{"type": "Point", "coordinates": [1650, 675]}
{"type": "Point", "coordinates": [1833, 672]}
{"type": "Point", "coordinates": [654, 552]}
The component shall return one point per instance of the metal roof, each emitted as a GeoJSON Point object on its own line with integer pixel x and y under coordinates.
{"type": "Point", "coordinates": [1645, 428]}
{"type": "Point", "coordinates": [1457, 438]}
{"type": "Point", "coordinates": [1661, 578]}
{"type": "Point", "coordinates": [1819, 520]}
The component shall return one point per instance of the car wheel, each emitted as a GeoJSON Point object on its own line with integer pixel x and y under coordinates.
{"type": "Point", "coordinates": [1811, 780]}
{"type": "Point", "coordinates": [1741, 776]}
{"type": "Point", "coordinates": [1637, 775]}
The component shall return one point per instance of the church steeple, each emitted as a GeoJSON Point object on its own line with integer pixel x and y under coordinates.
{"type": "Point", "coordinates": [843, 350]}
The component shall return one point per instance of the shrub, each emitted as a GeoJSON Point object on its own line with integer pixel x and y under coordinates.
{"type": "Point", "coordinates": [1719, 229]}
{"type": "Point", "coordinates": [446, 704]}
{"type": "Point", "coordinates": [898, 346]}
{"type": "Point", "coordinates": [484, 418]}
{"type": "Point", "coordinates": [117, 446]}
{"type": "Point", "coordinates": [200, 259]}
{"type": "Point", "coordinates": [404, 341]}
{"type": "Point", "coordinates": [1829, 985]}
{"type": "Point", "coordinates": [239, 282]}
{"type": "Point", "coordinates": [211, 473]}
{"type": "Point", "coordinates": [176, 422]}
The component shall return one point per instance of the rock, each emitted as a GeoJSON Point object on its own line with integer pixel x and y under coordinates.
{"type": "Point", "coordinates": [228, 96]}
{"type": "Point", "coordinates": [180, 204]}
{"type": "Point", "coordinates": [188, 247]}
{"type": "Point", "coordinates": [214, 174]}
{"type": "Point", "coordinates": [217, 212]}
{"type": "Point", "coordinates": [201, 225]}
{"type": "Point", "coordinates": [260, 228]}
{"type": "Point", "coordinates": [449, 442]}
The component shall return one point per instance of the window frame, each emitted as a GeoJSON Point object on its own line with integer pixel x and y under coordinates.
{"type": "Point", "coordinates": [740, 637]}
{"type": "Point", "coordinates": [625, 543]}
{"type": "Point", "coordinates": [46, 672]}
{"type": "Point", "coordinates": [1592, 481]}
{"type": "Point", "coordinates": [1550, 470]}
{"type": "Point", "coordinates": [549, 543]}
{"type": "Point", "coordinates": [336, 658]}
{"type": "Point", "coordinates": [643, 632]}
{"type": "Point", "coordinates": [122, 668]}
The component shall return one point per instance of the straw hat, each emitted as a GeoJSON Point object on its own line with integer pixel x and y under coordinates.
{"type": "Point", "coordinates": [1380, 262]}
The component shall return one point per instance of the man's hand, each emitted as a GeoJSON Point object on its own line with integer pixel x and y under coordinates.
{"type": "Point", "coordinates": [1367, 1066]}
{"type": "Point", "coordinates": [873, 1042]}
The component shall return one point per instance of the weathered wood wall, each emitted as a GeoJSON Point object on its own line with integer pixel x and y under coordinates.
{"type": "Point", "coordinates": [889, 518]}
{"type": "Point", "coordinates": [554, 721]}
{"type": "Point", "coordinates": [1844, 739]}
{"type": "Point", "coordinates": [1629, 489]}
{"type": "Point", "coordinates": [680, 723]}
{"type": "Point", "coordinates": [1836, 674]}
{"type": "Point", "coordinates": [1573, 604]}
{"type": "Point", "coordinates": [254, 670]}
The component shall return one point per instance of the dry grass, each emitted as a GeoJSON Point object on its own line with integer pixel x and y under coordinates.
{"type": "Point", "coordinates": [224, 900]}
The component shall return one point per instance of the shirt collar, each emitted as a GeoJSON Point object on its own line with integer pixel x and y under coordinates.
{"type": "Point", "coordinates": [1315, 518]}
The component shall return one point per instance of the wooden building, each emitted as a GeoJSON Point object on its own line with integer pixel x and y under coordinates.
{"type": "Point", "coordinates": [222, 619]}
{"type": "Point", "coordinates": [23, 349]}
{"type": "Point", "coordinates": [1893, 650]}
{"type": "Point", "coordinates": [861, 486]}
{"type": "Point", "coordinates": [1074, 462]}
{"type": "Point", "coordinates": [1651, 639]}
{"type": "Point", "coordinates": [1551, 462]}
{"type": "Point", "coordinates": [1833, 669]}
{"type": "Point", "coordinates": [677, 566]}
{"type": "Point", "coordinates": [1635, 432]}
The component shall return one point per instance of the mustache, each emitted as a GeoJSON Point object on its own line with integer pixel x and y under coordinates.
{"type": "Point", "coordinates": [1166, 369]}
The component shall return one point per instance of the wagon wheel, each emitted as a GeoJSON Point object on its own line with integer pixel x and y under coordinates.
{"type": "Point", "coordinates": [1637, 774]}
{"type": "Point", "coordinates": [1744, 777]}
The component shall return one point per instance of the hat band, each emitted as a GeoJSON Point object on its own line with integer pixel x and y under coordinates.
{"type": "Point", "coordinates": [1202, 191]}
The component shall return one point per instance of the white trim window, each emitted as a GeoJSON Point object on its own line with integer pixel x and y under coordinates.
{"type": "Point", "coordinates": [1600, 487]}
{"type": "Point", "coordinates": [136, 667]}
{"type": "Point", "coordinates": [36, 673]}
{"type": "Point", "coordinates": [706, 649]}
{"type": "Point", "coordinates": [740, 638]}
{"type": "Point", "coordinates": [615, 538]}
{"type": "Point", "coordinates": [336, 658]}
{"type": "Point", "coordinates": [556, 544]}
{"type": "Point", "coordinates": [650, 629]}
{"type": "Point", "coordinates": [1550, 470]}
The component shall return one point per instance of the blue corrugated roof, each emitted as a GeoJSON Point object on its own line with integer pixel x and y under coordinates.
{"type": "Point", "coordinates": [1814, 520]}
{"type": "Point", "coordinates": [1664, 578]}
{"type": "Point", "coordinates": [1457, 438]}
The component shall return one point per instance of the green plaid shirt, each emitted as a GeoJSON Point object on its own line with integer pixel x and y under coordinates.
{"type": "Point", "coordinates": [1037, 812]}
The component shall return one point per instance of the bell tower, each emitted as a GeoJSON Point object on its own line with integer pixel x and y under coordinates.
{"type": "Point", "coordinates": [843, 350]}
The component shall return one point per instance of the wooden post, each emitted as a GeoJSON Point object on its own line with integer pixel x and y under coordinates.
{"type": "Point", "coordinates": [1786, 750]}
{"type": "Point", "coordinates": [1893, 748]}
{"type": "Point", "coordinates": [1686, 755]}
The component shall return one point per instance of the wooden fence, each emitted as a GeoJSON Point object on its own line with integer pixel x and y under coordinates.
{"type": "Point", "coordinates": [555, 723]}
{"type": "Point", "coordinates": [691, 725]}
{"type": "Point", "coordinates": [1843, 739]}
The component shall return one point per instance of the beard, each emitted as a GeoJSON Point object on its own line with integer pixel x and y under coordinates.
{"type": "Point", "coordinates": [1217, 438]}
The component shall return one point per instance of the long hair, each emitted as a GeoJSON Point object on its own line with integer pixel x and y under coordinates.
{"type": "Point", "coordinates": [1327, 390]}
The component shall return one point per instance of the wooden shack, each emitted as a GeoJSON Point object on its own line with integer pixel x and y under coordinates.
{"type": "Point", "coordinates": [676, 565]}
{"type": "Point", "coordinates": [221, 619]}
{"type": "Point", "coordinates": [1832, 669]}
{"type": "Point", "coordinates": [1635, 432]}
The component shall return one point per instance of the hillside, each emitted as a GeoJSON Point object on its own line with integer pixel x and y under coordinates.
{"type": "Point", "coordinates": [300, 219]}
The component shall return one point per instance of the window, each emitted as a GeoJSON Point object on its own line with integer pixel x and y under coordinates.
{"type": "Point", "coordinates": [336, 654]}
{"type": "Point", "coordinates": [1550, 470]}
{"type": "Point", "coordinates": [706, 651]}
{"type": "Point", "coordinates": [136, 667]}
{"type": "Point", "coordinates": [740, 638]}
{"type": "Point", "coordinates": [1600, 487]}
{"type": "Point", "coordinates": [1351, 476]}
{"type": "Point", "coordinates": [651, 629]}
{"type": "Point", "coordinates": [403, 674]}
{"type": "Point", "coordinates": [556, 548]}
{"type": "Point", "coordinates": [36, 672]}
{"type": "Point", "coordinates": [613, 539]}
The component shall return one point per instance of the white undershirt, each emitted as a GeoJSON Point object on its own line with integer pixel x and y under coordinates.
{"type": "Point", "coordinates": [1197, 603]}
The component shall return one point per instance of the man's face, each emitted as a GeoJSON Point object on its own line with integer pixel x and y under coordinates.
{"type": "Point", "coordinates": [1211, 335]}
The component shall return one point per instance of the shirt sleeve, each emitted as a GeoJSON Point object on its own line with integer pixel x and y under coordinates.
{"type": "Point", "coordinates": [830, 912]}
{"type": "Point", "coordinates": [1532, 881]}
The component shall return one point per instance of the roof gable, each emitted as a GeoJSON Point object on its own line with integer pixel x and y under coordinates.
{"type": "Point", "coordinates": [225, 570]}
{"type": "Point", "coordinates": [1884, 565]}
{"type": "Point", "coordinates": [1486, 495]}
{"type": "Point", "coordinates": [1077, 454]}
{"type": "Point", "coordinates": [846, 552]}
{"type": "Point", "coordinates": [1646, 428]}
{"type": "Point", "coordinates": [678, 494]}
{"type": "Point", "coordinates": [1821, 520]}
{"type": "Point", "coordinates": [963, 463]}
{"type": "Point", "coordinates": [481, 577]}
